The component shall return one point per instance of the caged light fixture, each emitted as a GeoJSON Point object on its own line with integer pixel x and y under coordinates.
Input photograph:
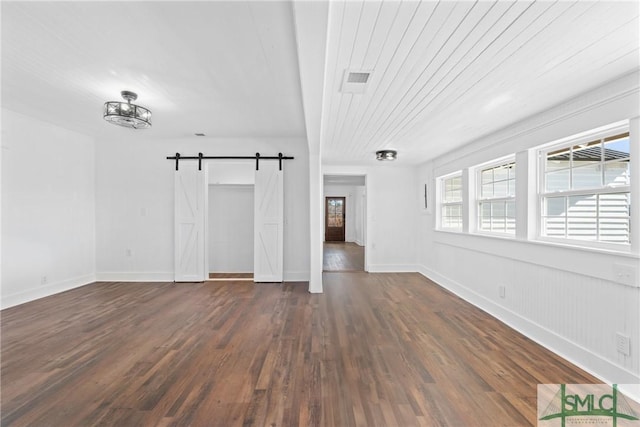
{"type": "Point", "coordinates": [127, 114]}
{"type": "Point", "coordinates": [386, 154]}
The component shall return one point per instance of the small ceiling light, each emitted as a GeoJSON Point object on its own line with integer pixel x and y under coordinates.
{"type": "Point", "coordinates": [386, 154]}
{"type": "Point", "coordinates": [127, 114]}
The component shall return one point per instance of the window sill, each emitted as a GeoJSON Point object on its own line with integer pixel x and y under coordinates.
{"type": "Point", "coordinates": [623, 250]}
{"type": "Point", "coordinates": [444, 230]}
{"type": "Point", "coordinates": [504, 236]}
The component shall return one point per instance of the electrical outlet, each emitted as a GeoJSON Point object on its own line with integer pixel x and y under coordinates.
{"type": "Point", "coordinates": [622, 344]}
{"type": "Point", "coordinates": [43, 280]}
{"type": "Point", "coordinates": [625, 273]}
{"type": "Point", "coordinates": [502, 291]}
{"type": "Point", "coordinates": [129, 252]}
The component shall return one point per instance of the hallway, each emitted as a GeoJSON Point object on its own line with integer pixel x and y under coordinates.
{"type": "Point", "coordinates": [342, 256]}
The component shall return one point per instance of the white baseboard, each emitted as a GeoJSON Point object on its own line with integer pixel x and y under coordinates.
{"type": "Point", "coordinates": [167, 276]}
{"type": "Point", "coordinates": [136, 276]}
{"type": "Point", "coordinates": [585, 359]}
{"type": "Point", "coordinates": [392, 268]}
{"type": "Point", "coordinates": [46, 290]}
{"type": "Point", "coordinates": [296, 276]}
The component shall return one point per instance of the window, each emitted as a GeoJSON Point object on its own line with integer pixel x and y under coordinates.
{"type": "Point", "coordinates": [451, 202]}
{"type": "Point", "coordinates": [496, 198]}
{"type": "Point", "coordinates": [586, 189]}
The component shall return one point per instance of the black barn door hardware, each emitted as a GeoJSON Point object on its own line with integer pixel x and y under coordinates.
{"type": "Point", "coordinates": [200, 157]}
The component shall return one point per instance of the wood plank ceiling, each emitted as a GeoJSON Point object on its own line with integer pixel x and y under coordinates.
{"type": "Point", "coordinates": [442, 73]}
{"type": "Point", "coordinates": [446, 73]}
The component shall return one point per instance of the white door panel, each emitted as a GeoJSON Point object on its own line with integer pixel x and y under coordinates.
{"type": "Point", "coordinates": [190, 195]}
{"type": "Point", "coordinates": [269, 219]}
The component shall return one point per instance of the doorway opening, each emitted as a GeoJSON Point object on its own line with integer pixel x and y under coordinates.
{"type": "Point", "coordinates": [191, 187]}
{"type": "Point", "coordinates": [230, 221]}
{"type": "Point", "coordinates": [344, 223]}
{"type": "Point", "coordinates": [230, 232]}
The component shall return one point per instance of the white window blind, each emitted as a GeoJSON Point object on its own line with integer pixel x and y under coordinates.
{"type": "Point", "coordinates": [585, 192]}
{"type": "Point", "coordinates": [496, 196]}
{"type": "Point", "coordinates": [451, 202]}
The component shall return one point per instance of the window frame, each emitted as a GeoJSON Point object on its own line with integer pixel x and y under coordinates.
{"type": "Point", "coordinates": [442, 203]}
{"type": "Point", "coordinates": [479, 199]}
{"type": "Point", "coordinates": [601, 134]}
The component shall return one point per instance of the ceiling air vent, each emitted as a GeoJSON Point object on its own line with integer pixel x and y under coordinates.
{"type": "Point", "coordinates": [355, 81]}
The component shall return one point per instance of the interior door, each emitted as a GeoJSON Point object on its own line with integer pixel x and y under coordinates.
{"type": "Point", "coordinates": [190, 239]}
{"type": "Point", "coordinates": [334, 218]}
{"type": "Point", "coordinates": [268, 224]}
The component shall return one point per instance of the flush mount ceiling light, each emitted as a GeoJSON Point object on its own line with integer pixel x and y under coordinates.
{"type": "Point", "coordinates": [127, 114]}
{"type": "Point", "coordinates": [386, 154]}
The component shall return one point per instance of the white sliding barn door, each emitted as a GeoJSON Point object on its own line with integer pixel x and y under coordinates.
{"type": "Point", "coordinates": [268, 223]}
{"type": "Point", "coordinates": [190, 239]}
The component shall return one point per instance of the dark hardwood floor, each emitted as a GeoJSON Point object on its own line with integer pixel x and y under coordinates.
{"type": "Point", "coordinates": [342, 256]}
{"type": "Point", "coordinates": [373, 350]}
{"type": "Point", "coordinates": [231, 276]}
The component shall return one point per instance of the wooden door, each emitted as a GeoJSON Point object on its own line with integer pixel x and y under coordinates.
{"type": "Point", "coordinates": [334, 219]}
{"type": "Point", "coordinates": [190, 199]}
{"type": "Point", "coordinates": [268, 250]}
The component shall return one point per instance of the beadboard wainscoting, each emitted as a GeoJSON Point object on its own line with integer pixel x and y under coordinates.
{"type": "Point", "coordinates": [574, 315]}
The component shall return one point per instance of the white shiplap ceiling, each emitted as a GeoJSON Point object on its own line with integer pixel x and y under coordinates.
{"type": "Point", "coordinates": [442, 73]}
{"type": "Point", "coordinates": [446, 73]}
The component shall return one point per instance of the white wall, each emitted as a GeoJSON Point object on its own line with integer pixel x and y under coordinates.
{"type": "Point", "coordinates": [391, 215]}
{"type": "Point", "coordinates": [391, 219]}
{"type": "Point", "coordinates": [565, 298]}
{"type": "Point", "coordinates": [231, 220]}
{"type": "Point", "coordinates": [351, 207]}
{"type": "Point", "coordinates": [232, 172]}
{"type": "Point", "coordinates": [134, 200]}
{"type": "Point", "coordinates": [48, 209]}
{"type": "Point", "coordinates": [360, 220]}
